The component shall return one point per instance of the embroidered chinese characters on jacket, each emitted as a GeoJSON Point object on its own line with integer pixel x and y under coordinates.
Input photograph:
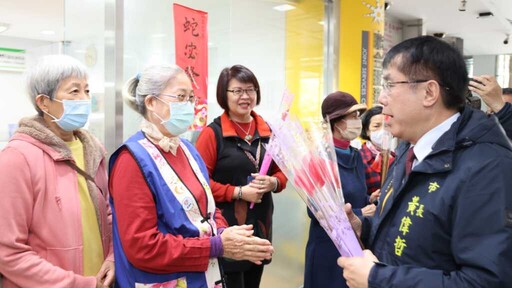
{"type": "Point", "coordinates": [414, 211]}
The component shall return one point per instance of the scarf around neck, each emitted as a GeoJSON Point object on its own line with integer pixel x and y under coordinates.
{"type": "Point", "coordinates": [167, 144]}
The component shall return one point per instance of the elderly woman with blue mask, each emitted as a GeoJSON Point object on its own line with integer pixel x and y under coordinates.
{"type": "Point", "coordinates": [56, 221]}
{"type": "Point", "coordinates": [167, 229]}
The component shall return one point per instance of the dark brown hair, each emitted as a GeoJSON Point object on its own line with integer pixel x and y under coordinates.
{"type": "Point", "coordinates": [366, 119]}
{"type": "Point", "coordinates": [243, 75]}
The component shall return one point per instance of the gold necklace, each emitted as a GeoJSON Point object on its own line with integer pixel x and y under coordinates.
{"type": "Point", "coordinates": [247, 136]}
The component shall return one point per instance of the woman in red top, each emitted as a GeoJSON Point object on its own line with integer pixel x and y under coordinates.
{"type": "Point", "coordinates": [167, 228]}
{"type": "Point", "coordinates": [232, 148]}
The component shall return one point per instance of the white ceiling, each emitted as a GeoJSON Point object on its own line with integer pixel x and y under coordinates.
{"type": "Point", "coordinates": [481, 36]}
{"type": "Point", "coordinates": [27, 18]}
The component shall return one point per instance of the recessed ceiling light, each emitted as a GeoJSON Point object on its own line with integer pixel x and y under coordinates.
{"type": "Point", "coordinates": [284, 7]}
{"type": "Point", "coordinates": [4, 27]}
{"type": "Point", "coordinates": [48, 32]}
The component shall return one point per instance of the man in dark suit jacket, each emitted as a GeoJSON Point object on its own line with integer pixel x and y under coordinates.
{"type": "Point", "coordinates": [445, 213]}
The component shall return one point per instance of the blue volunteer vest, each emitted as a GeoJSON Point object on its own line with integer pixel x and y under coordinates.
{"type": "Point", "coordinates": [178, 214]}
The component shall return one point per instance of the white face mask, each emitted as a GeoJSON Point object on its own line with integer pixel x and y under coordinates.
{"type": "Point", "coordinates": [354, 128]}
{"type": "Point", "coordinates": [377, 137]}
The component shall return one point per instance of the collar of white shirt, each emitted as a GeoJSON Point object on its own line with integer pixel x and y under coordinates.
{"type": "Point", "coordinates": [424, 145]}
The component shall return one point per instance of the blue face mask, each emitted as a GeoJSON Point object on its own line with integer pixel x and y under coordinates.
{"type": "Point", "coordinates": [182, 116]}
{"type": "Point", "coordinates": [76, 113]}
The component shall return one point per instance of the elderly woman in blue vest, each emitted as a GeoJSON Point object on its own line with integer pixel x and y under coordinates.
{"type": "Point", "coordinates": [343, 112]}
{"type": "Point", "coordinates": [167, 230]}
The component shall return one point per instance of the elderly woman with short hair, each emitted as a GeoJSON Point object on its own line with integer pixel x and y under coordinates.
{"type": "Point", "coordinates": [168, 231]}
{"type": "Point", "coordinates": [56, 221]}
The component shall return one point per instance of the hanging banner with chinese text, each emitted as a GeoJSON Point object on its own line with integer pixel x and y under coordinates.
{"type": "Point", "coordinates": [191, 41]}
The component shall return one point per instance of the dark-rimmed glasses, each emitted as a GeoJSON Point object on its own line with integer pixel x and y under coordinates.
{"type": "Point", "coordinates": [238, 92]}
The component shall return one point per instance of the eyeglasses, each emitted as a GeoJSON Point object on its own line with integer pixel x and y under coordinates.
{"type": "Point", "coordinates": [239, 92]}
{"type": "Point", "coordinates": [181, 98]}
{"type": "Point", "coordinates": [386, 85]}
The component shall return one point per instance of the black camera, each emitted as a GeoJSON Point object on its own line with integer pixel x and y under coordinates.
{"type": "Point", "coordinates": [474, 101]}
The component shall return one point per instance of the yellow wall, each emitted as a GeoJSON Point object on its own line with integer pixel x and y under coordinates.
{"type": "Point", "coordinates": [304, 57]}
{"type": "Point", "coordinates": [357, 16]}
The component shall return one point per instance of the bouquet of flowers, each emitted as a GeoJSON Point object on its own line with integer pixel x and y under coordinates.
{"type": "Point", "coordinates": [284, 109]}
{"type": "Point", "coordinates": [308, 159]}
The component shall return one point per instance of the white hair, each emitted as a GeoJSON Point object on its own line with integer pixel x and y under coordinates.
{"type": "Point", "coordinates": [49, 72]}
{"type": "Point", "coordinates": [152, 81]}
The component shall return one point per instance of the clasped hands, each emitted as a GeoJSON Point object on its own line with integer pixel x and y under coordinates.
{"type": "Point", "coordinates": [240, 244]}
{"type": "Point", "coordinates": [256, 189]}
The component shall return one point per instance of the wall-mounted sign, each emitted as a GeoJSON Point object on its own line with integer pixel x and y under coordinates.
{"type": "Point", "coordinates": [12, 59]}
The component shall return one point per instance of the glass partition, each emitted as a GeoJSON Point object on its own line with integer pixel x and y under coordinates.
{"type": "Point", "coordinates": [84, 26]}
{"type": "Point", "coordinates": [51, 27]}
{"type": "Point", "coordinates": [27, 34]}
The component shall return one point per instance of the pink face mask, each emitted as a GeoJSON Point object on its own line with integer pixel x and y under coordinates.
{"type": "Point", "coordinates": [354, 128]}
